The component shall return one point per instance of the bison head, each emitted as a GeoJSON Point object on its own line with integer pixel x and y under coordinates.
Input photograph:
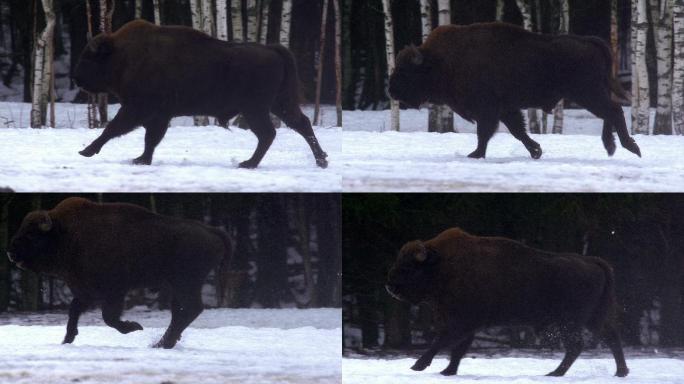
{"type": "Point", "coordinates": [34, 246]}
{"type": "Point", "coordinates": [92, 70]}
{"type": "Point", "coordinates": [414, 273]}
{"type": "Point", "coordinates": [410, 81]}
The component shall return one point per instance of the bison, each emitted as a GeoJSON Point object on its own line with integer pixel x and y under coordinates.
{"type": "Point", "coordinates": [162, 72]}
{"type": "Point", "coordinates": [472, 282]}
{"type": "Point", "coordinates": [103, 250]}
{"type": "Point", "coordinates": [488, 72]}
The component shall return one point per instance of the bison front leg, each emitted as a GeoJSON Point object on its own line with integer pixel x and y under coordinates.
{"type": "Point", "coordinates": [124, 122]}
{"type": "Point", "coordinates": [260, 123]}
{"type": "Point", "coordinates": [457, 353]}
{"type": "Point", "coordinates": [111, 314]}
{"type": "Point", "coordinates": [442, 340]}
{"type": "Point", "coordinates": [155, 129]}
{"type": "Point", "coordinates": [486, 126]}
{"type": "Point", "coordinates": [76, 307]}
{"type": "Point", "coordinates": [515, 123]}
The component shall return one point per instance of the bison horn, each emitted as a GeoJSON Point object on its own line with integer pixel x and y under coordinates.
{"type": "Point", "coordinates": [46, 225]}
{"type": "Point", "coordinates": [421, 255]}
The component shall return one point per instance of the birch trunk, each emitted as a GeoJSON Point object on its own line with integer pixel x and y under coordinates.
{"type": "Point", "coordinates": [500, 10]}
{"type": "Point", "coordinates": [532, 116]}
{"type": "Point", "coordinates": [138, 9]}
{"type": "Point", "coordinates": [106, 14]}
{"type": "Point", "coordinates": [263, 28]}
{"type": "Point", "coordinates": [642, 120]}
{"type": "Point", "coordinates": [614, 41]}
{"type": "Point", "coordinates": [661, 19]}
{"type": "Point", "coordinates": [42, 67]}
{"type": "Point", "coordinates": [252, 25]}
{"type": "Point", "coordinates": [285, 18]}
{"type": "Point", "coordinates": [321, 55]}
{"type": "Point", "coordinates": [221, 20]}
{"type": "Point", "coordinates": [236, 20]}
{"type": "Point", "coordinates": [157, 15]}
{"type": "Point", "coordinates": [207, 18]}
{"type": "Point", "coordinates": [635, 78]}
{"type": "Point", "coordinates": [426, 18]}
{"type": "Point", "coordinates": [441, 118]}
{"type": "Point", "coordinates": [338, 61]}
{"type": "Point", "coordinates": [389, 52]}
{"type": "Point", "coordinates": [198, 20]}
{"type": "Point", "coordinates": [563, 28]}
{"type": "Point", "coordinates": [678, 71]}
{"type": "Point", "coordinates": [92, 104]}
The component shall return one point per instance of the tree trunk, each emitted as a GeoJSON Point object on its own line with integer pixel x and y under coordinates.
{"type": "Point", "coordinates": [198, 22]}
{"type": "Point", "coordinates": [263, 27]}
{"type": "Point", "coordinates": [157, 15]}
{"type": "Point", "coordinates": [563, 28]}
{"type": "Point", "coordinates": [500, 6]}
{"type": "Point", "coordinates": [221, 20]}
{"type": "Point", "coordinates": [661, 19]}
{"type": "Point", "coordinates": [285, 18]}
{"type": "Point", "coordinates": [321, 56]}
{"type": "Point", "coordinates": [271, 283]}
{"type": "Point", "coordinates": [42, 67]}
{"type": "Point", "coordinates": [236, 20]}
{"type": "Point", "coordinates": [5, 270]}
{"type": "Point", "coordinates": [252, 25]}
{"type": "Point", "coordinates": [328, 232]}
{"type": "Point", "coordinates": [338, 62]}
{"type": "Point", "coordinates": [106, 13]}
{"type": "Point", "coordinates": [440, 117]}
{"type": "Point", "coordinates": [525, 10]}
{"type": "Point", "coordinates": [678, 71]}
{"type": "Point", "coordinates": [138, 9]}
{"type": "Point", "coordinates": [30, 282]}
{"type": "Point", "coordinates": [641, 72]}
{"type": "Point", "coordinates": [426, 18]}
{"type": "Point", "coordinates": [389, 53]}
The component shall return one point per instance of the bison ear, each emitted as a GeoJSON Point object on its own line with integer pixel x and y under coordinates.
{"type": "Point", "coordinates": [102, 46]}
{"type": "Point", "coordinates": [427, 255]}
{"type": "Point", "coordinates": [45, 224]}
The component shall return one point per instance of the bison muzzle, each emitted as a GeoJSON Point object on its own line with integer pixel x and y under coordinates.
{"type": "Point", "coordinates": [162, 72]}
{"type": "Point", "coordinates": [472, 282]}
{"type": "Point", "coordinates": [488, 72]}
{"type": "Point", "coordinates": [104, 250]}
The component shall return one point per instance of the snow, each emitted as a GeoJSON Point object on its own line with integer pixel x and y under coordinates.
{"type": "Point", "coordinates": [188, 159]}
{"type": "Point", "coordinates": [221, 346]}
{"type": "Point", "coordinates": [375, 160]}
{"type": "Point", "coordinates": [513, 370]}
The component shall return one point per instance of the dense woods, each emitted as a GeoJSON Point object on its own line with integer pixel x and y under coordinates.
{"type": "Point", "coordinates": [286, 249]}
{"type": "Point", "coordinates": [642, 236]}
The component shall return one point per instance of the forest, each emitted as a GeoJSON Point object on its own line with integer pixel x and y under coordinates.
{"type": "Point", "coordinates": [286, 250]}
{"type": "Point", "coordinates": [640, 235]}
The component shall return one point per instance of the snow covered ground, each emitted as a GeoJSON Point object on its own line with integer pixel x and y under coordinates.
{"type": "Point", "coordinates": [517, 370]}
{"type": "Point", "coordinates": [221, 346]}
{"type": "Point", "coordinates": [188, 159]}
{"type": "Point", "coordinates": [374, 159]}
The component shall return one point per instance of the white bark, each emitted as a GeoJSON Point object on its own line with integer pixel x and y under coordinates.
{"type": "Point", "coordinates": [426, 18]}
{"type": "Point", "coordinates": [196, 12]}
{"type": "Point", "coordinates": [563, 28]}
{"type": "Point", "coordinates": [500, 10]}
{"type": "Point", "coordinates": [222, 20]}
{"type": "Point", "coordinates": [207, 18]}
{"type": "Point", "coordinates": [635, 78]}
{"type": "Point", "coordinates": [236, 20]}
{"type": "Point", "coordinates": [678, 71]}
{"type": "Point", "coordinates": [440, 117]}
{"type": "Point", "coordinates": [138, 9]}
{"type": "Point", "coordinates": [661, 15]}
{"type": "Point", "coordinates": [321, 55]}
{"type": "Point", "coordinates": [389, 53]}
{"type": "Point", "coordinates": [42, 67]}
{"type": "Point", "coordinates": [285, 18]}
{"type": "Point", "coordinates": [525, 10]}
{"type": "Point", "coordinates": [252, 25]}
{"type": "Point", "coordinates": [263, 28]}
{"type": "Point", "coordinates": [157, 15]}
{"type": "Point", "coordinates": [642, 118]}
{"type": "Point", "coordinates": [338, 61]}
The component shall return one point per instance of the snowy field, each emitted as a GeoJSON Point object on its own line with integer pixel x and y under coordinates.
{"type": "Point", "coordinates": [189, 158]}
{"type": "Point", "coordinates": [376, 160]}
{"type": "Point", "coordinates": [518, 370]}
{"type": "Point", "coordinates": [221, 346]}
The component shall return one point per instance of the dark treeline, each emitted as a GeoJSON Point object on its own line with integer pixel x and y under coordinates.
{"type": "Point", "coordinates": [20, 19]}
{"type": "Point", "coordinates": [286, 249]}
{"type": "Point", "coordinates": [642, 236]}
{"type": "Point", "coordinates": [365, 71]}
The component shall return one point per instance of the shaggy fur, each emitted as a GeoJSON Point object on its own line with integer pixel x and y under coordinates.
{"type": "Point", "coordinates": [162, 72]}
{"type": "Point", "coordinates": [473, 282]}
{"type": "Point", "coordinates": [488, 72]}
{"type": "Point", "coordinates": [104, 250]}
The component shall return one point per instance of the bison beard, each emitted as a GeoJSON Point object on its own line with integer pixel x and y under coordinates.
{"type": "Point", "coordinates": [473, 282]}
{"type": "Point", "coordinates": [488, 72]}
{"type": "Point", "coordinates": [104, 250]}
{"type": "Point", "coordinates": [162, 72]}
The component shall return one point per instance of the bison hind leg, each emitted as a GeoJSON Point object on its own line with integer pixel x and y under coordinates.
{"type": "Point", "coordinates": [573, 343]}
{"type": "Point", "coordinates": [611, 337]}
{"type": "Point", "coordinates": [457, 353]}
{"type": "Point", "coordinates": [515, 123]}
{"type": "Point", "coordinates": [186, 305]}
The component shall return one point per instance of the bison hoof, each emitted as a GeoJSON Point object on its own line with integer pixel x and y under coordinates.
{"type": "Point", "coordinates": [555, 373]}
{"type": "Point", "coordinates": [248, 164]}
{"type": "Point", "coordinates": [322, 162]}
{"type": "Point", "coordinates": [88, 152]}
{"type": "Point", "coordinates": [477, 154]}
{"type": "Point", "coordinates": [420, 366]}
{"type": "Point", "coordinates": [535, 152]}
{"type": "Point", "coordinates": [68, 339]}
{"type": "Point", "coordinates": [622, 372]}
{"type": "Point", "coordinates": [448, 372]}
{"type": "Point", "coordinates": [610, 147]}
{"type": "Point", "coordinates": [165, 343]}
{"type": "Point", "coordinates": [632, 147]}
{"type": "Point", "coordinates": [142, 161]}
{"type": "Point", "coordinates": [130, 326]}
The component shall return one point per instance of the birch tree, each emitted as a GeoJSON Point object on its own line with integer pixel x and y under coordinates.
{"type": "Point", "coordinates": [263, 27]}
{"type": "Point", "coordinates": [525, 10]}
{"type": "Point", "coordinates": [338, 61]}
{"type": "Point", "coordinates": [639, 72]}
{"type": "Point", "coordinates": [563, 28]}
{"type": "Point", "coordinates": [92, 101]}
{"type": "Point", "coordinates": [285, 17]}
{"type": "Point", "coordinates": [500, 10]}
{"type": "Point", "coordinates": [252, 25]}
{"type": "Point", "coordinates": [678, 71]}
{"type": "Point", "coordinates": [43, 67]}
{"type": "Point", "coordinates": [221, 20]}
{"type": "Point", "coordinates": [440, 117]}
{"type": "Point", "coordinates": [199, 22]}
{"type": "Point", "coordinates": [138, 9]}
{"type": "Point", "coordinates": [157, 15]}
{"type": "Point", "coordinates": [236, 20]}
{"type": "Point", "coordinates": [389, 52]}
{"type": "Point", "coordinates": [106, 14]}
{"type": "Point", "coordinates": [321, 56]}
{"type": "Point", "coordinates": [425, 18]}
{"type": "Point", "coordinates": [661, 19]}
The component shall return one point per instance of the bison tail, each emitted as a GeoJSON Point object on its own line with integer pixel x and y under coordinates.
{"type": "Point", "coordinates": [607, 306]}
{"type": "Point", "coordinates": [613, 83]}
{"type": "Point", "coordinates": [224, 266]}
{"type": "Point", "coordinates": [289, 90]}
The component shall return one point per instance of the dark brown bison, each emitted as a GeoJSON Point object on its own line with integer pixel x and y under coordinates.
{"type": "Point", "coordinates": [161, 72]}
{"type": "Point", "coordinates": [104, 250]}
{"type": "Point", "coordinates": [473, 282]}
{"type": "Point", "coordinates": [487, 72]}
